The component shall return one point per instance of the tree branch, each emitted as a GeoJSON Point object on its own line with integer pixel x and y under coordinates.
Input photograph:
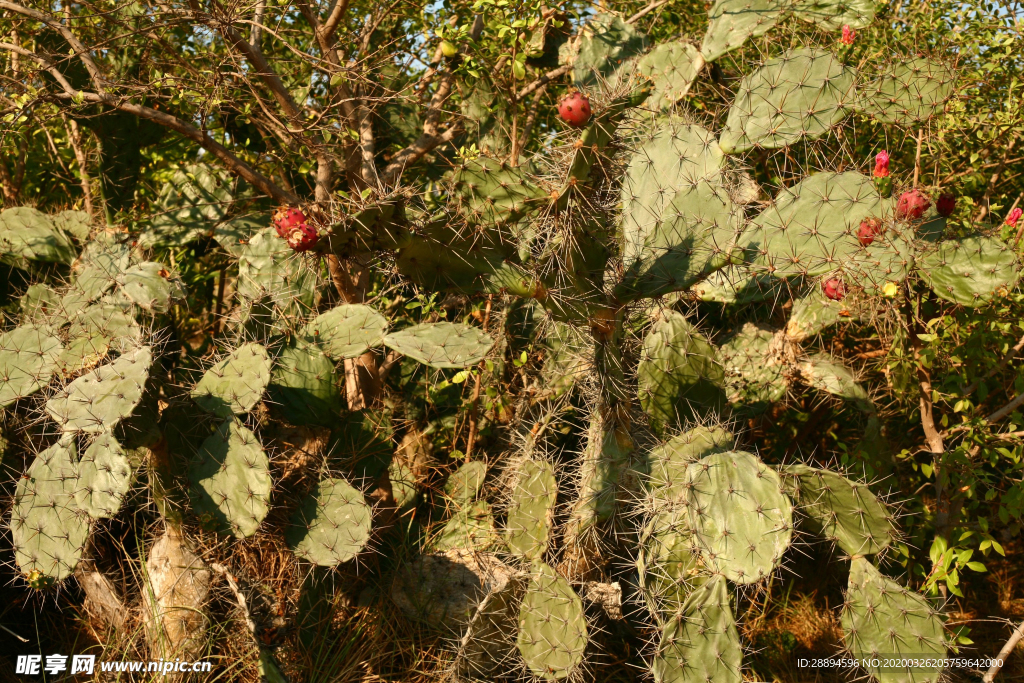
{"type": "Point", "coordinates": [1004, 654]}
{"type": "Point", "coordinates": [543, 80]}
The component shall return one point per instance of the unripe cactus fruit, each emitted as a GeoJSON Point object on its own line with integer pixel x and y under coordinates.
{"type": "Point", "coordinates": [574, 109]}
{"type": "Point", "coordinates": [869, 227]}
{"type": "Point", "coordinates": [302, 238]}
{"type": "Point", "coordinates": [834, 289]}
{"type": "Point", "coordinates": [287, 219]}
{"type": "Point", "coordinates": [912, 205]}
{"type": "Point", "coordinates": [946, 204]}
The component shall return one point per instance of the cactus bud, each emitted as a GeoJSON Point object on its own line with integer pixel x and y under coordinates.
{"type": "Point", "coordinates": [869, 227]}
{"type": "Point", "coordinates": [848, 35]}
{"type": "Point", "coordinates": [286, 219]}
{"type": "Point", "coordinates": [834, 289]}
{"type": "Point", "coordinates": [574, 109]}
{"type": "Point", "coordinates": [912, 205]}
{"type": "Point", "coordinates": [946, 204]}
{"type": "Point", "coordinates": [883, 183]}
{"type": "Point", "coordinates": [1013, 217]}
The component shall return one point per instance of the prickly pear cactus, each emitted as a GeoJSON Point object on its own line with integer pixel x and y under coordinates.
{"type": "Point", "coordinates": [552, 626]}
{"type": "Point", "coordinates": [332, 524]}
{"type": "Point", "coordinates": [100, 399]}
{"type": "Point", "coordinates": [236, 384]}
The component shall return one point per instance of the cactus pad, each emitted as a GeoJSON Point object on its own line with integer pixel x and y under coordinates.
{"type": "Point", "coordinates": [532, 510]}
{"type": "Point", "coordinates": [98, 400]}
{"type": "Point", "coordinates": [465, 483]}
{"type": "Point", "coordinates": [552, 626]}
{"type": "Point", "coordinates": [812, 227]}
{"type": "Point", "coordinates": [332, 524]}
{"type": "Point", "coordinates": [668, 461]}
{"type": "Point", "coordinates": [48, 530]}
{"type": "Point", "coordinates": [672, 67]}
{"type": "Point", "coordinates": [814, 312]}
{"type": "Point", "coordinates": [607, 42]}
{"type": "Point", "coordinates": [28, 358]}
{"type": "Point", "coordinates": [732, 22]}
{"type": "Point", "coordinates": [884, 620]}
{"type": "Point", "coordinates": [493, 193]}
{"type": "Point", "coordinates": [843, 511]}
{"type": "Point", "coordinates": [700, 642]}
{"type": "Point", "coordinates": [75, 223]}
{"type": "Point", "coordinates": [825, 374]}
{"type": "Point", "coordinates": [149, 286]}
{"type": "Point", "coordinates": [347, 331]}
{"type": "Point", "coordinates": [797, 96]}
{"type": "Point", "coordinates": [236, 384]}
{"type": "Point", "coordinates": [101, 263]}
{"type": "Point", "coordinates": [104, 475]}
{"type": "Point", "coordinates": [667, 564]}
{"type": "Point", "coordinates": [441, 345]}
{"type": "Point", "coordinates": [832, 15]}
{"type": "Point", "coordinates": [303, 385]}
{"type": "Point", "coordinates": [911, 90]}
{"type": "Point", "coordinates": [971, 271]}
{"type": "Point", "coordinates": [26, 233]}
{"type": "Point", "coordinates": [753, 369]}
{"type": "Point", "coordinates": [742, 520]}
{"type": "Point", "coordinates": [230, 477]}
{"type": "Point", "coordinates": [679, 374]}
{"type": "Point", "coordinates": [271, 275]}
{"type": "Point", "coordinates": [471, 528]}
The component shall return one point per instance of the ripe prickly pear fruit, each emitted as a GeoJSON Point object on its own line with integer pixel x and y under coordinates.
{"type": "Point", "coordinates": [574, 109]}
{"type": "Point", "coordinates": [302, 237]}
{"type": "Point", "coordinates": [946, 204]}
{"type": "Point", "coordinates": [869, 227]}
{"type": "Point", "coordinates": [912, 205]}
{"type": "Point", "coordinates": [286, 219]}
{"type": "Point", "coordinates": [448, 49]}
{"type": "Point", "coordinates": [834, 289]}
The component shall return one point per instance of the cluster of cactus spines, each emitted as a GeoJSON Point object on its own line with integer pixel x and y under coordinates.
{"type": "Point", "coordinates": [754, 372]}
{"type": "Point", "coordinates": [971, 271]}
{"type": "Point", "coordinates": [28, 359]}
{"type": "Point", "coordinates": [531, 510]}
{"type": "Point", "coordinates": [700, 641]}
{"type": "Point", "coordinates": [671, 67]}
{"type": "Point", "coordinates": [98, 400]}
{"type": "Point", "coordinates": [332, 524]}
{"type": "Point", "coordinates": [799, 95]}
{"type": "Point", "coordinates": [845, 512]}
{"type": "Point", "coordinates": [236, 384]}
{"type": "Point", "coordinates": [882, 619]}
{"type": "Point", "coordinates": [552, 626]}
{"type": "Point", "coordinates": [104, 477]}
{"type": "Point", "coordinates": [230, 480]}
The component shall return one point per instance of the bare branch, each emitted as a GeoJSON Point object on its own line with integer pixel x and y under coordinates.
{"type": "Point", "coordinates": [94, 71]}
{"type": "Point", "coordinates": [543, 80]}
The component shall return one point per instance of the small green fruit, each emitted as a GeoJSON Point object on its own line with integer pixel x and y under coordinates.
{"type": "Point", "coordinates": [448, 50]}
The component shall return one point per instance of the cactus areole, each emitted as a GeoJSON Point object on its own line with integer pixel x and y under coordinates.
{"type": "Point", "coordinates": [912, 205]}
{"type": "Point", "coordinates": [574, 109]}
{"type": "Point", "coordinates": [869, 227]}
{"type": "Point", "coordinates": [834, 289]}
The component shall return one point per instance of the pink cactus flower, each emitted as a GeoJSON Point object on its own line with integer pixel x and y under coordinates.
{"type": "Point", "coordinates": [848, 35]}
{"type": "Point", "coordinates": [882, 164]}
{"type": "Point", "coordinates": [1013, 217]}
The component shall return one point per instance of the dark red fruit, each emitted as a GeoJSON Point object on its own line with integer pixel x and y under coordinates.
{"type": "Point", "coordinates": [912, 204]}
{"type": "Point", "coordinates": [946, 204]}
{"type": "Point", "coordinates": [575, 109]}
{"type": "Point", "coordinates": [834, 289]}
{"type": "Point", "coordinates": [869, 227]}
{"type": "Point", "coordinates": [287, 219]}
{"type": "Point", "coordinates": [302, 237]}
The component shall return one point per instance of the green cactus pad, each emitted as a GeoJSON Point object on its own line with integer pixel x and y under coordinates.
{"type": "Point", "coordinates": [441, 345]}
{"type": "Point", "coordinates": [668, 461]}
{"type": "Point", "coordinates": [104, 475]}
{"type": "Point", "coordinates": [48, 530]}
{"type": "Point", "coordinates": [272, 276]}
{"type": "Point", "coordinates": [102, 262]}
{"type": "Point", "coordinates": [754, 372]}
{"type": "Point", "coordinates": [236, 384]}
{"type": "Point", "coordinates": [28, 359]}
{"type": "Point", "coordinates": [347, 331]}
{"type": "Point", "coordinates": [732, 22]}
{"type": "Point", "coordinates": [471, 528]}
{"type": "Point", "coordinates": [303, 385]}
{"type": "Point", "coordinates": [493, 193]}
{"type": "Point", "coordinates": [668, 564]}
{"type": "Point", "coordinates": [235, 233]}
{"type": "Point", "coordinates": [740, 284]}
{"type": "Point", "coordinates": [26, 233]}
{"type": "Point", "coordinates": [189, 205]}
{"type": "Point", "coordinates": [910, 90]}
{"type": "Point", "coordinates": [607, 42]}
{"type": "Point", "coordinates": [672, 67]}
{"type": "Point", "coordinates": [230, 478]}
{"type": "Point", "coordinates": [825, 374]}
{"type": "Point", "coordinates": [814, 312]}
{"type": "Point", "coordinates": [465, 483]}
{"type": "Point", "coordinates": [93, 332]}
{"type": "Point", "coordinates": [742, 520]}
{"type": "Point", "coordinates": [832, 15]}
{"type": "Point", "coordinates": [884, 620]}
{"type": "Point", "coordinates": [888, 259]}
{"type": "Point", "coordinates": [812, 227]}
{"type": "Point", "coordinates": [700, 642]}
{"type": "Point", "coordinates": [532, 510]}
{"type": "Point", "coordinates": [149, 286]}
{"type": "Point", "coordinates": [679, 374]}
{"type": "Point", "coordinates": [75, 223]}
{"type": "Point", "coordinates": [98, 400]}
{"type": "Point", "coordinates": [797, 96]}
{"type": "Point", "coordinates": [606, 460]}
{"type": "Point", "coordinates": [487, 644]}
{"type": "Point", "coordinates": [332, 524]}
{"type": "Point", "coordinates": [552, 626]}
{"type": "Point", "coordinates": [971, 271]}
{"type": "Point", "coordinates": [843, 511]}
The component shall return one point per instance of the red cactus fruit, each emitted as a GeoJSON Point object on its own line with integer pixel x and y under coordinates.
{"type": "Point", "coordinates": [574, 109]}
{"type": "Point", "coordinates": [869, 227]}
{"type": "Point", "coordinates": [1013, 217]}
{"type": "Point", "coordinates": [302, 237]}
{"type": "Point", "coordinates": [912, 205]}
{"type": "Point", "coordinates": [946, 204]}
{"type": "Point", "coordinates": [834, 289]}
{"type": "Point", "coordinates": [287, 219]}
